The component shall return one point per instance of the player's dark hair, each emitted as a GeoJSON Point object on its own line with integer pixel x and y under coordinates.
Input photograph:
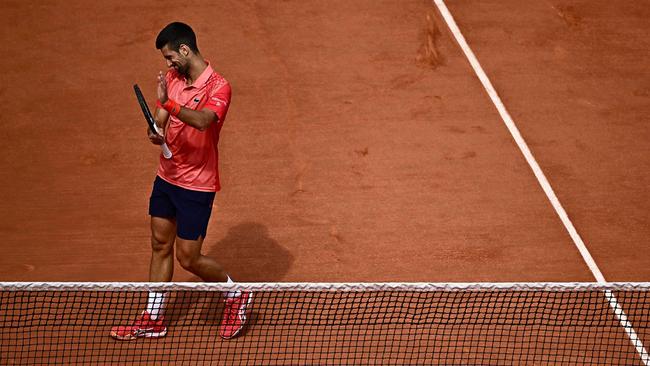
{"type": "Point", "coordinates": [175, 34]}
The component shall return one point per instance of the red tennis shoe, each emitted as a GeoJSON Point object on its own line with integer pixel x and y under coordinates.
{"type": "Point", "coordinates": [144, 326]}
{"type": "Point", "coordinates": [234, 314]}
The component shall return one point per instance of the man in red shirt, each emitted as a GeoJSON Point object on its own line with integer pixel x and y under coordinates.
{"type": "Point", "coordinates": [192, 104]}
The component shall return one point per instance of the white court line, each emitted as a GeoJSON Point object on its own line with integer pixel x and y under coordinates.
{"type": "Point", "coordinates": [541, 178]}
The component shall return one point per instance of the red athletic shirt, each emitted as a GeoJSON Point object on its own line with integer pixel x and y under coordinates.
{"type": "Point", "coordinates": [195, 161]}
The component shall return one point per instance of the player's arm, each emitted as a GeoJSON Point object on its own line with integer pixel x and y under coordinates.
{"type": "Point", "coordinates": [161, 116]}
{"type": "Point", "coordinates": [200, 119]}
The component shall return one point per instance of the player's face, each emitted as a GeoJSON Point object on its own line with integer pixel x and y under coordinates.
{"type": "Point", "coordinates": [177, 60]}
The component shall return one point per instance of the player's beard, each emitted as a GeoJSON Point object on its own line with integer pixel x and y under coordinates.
{"type": "Point", "coordinates": [183, 69]}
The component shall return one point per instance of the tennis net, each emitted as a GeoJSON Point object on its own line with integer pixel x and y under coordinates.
{"type": "Point", "coordinates": [336, 323]}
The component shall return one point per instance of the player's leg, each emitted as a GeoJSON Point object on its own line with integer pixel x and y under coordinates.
{"type": "Point", "coordinates": [163, 234]}
{"type": "Point", "coordinates": [236, 303]}
{"type": "Point", "coordinates": [161, 267]}
{"type": "Point", "coordinates": [193, 215]}
{"type": "Point", "coordinates": [188, 253]}
{"type": "Point", "coordinates": [163, 231]}
{"type": "Point", "coordinates": [150, 323]}
{"type": "Point", "coordinates": [194, 209]}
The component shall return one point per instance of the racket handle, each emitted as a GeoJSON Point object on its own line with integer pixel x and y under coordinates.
{"type": "Point", "coordinates": [165, 151]}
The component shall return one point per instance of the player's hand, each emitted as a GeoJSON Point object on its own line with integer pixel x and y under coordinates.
{"type": "Point", "coordinates": [162, 88]}
{"type": "Point", "coordinates": [155, 138]}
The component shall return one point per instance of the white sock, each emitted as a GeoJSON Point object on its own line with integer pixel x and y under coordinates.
{"type": "Point", "coordinates": [156, 304]}
{"type": "Point", "coordinates": [231, 294]}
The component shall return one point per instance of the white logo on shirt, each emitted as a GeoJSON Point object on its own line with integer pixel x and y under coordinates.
{"type": "Point", "coordinates": [218, 102]}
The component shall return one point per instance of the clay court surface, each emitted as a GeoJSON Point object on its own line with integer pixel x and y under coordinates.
{"type": "Point", "coordinates": [345, 156]}
{"type": "Point", "coordinates": [360, 145]}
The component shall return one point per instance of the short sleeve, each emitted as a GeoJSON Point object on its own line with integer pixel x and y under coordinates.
{"type": "Point", "coordinates": [219, 100]}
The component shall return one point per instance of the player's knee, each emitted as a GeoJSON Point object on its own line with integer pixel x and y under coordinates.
{"type": "Point", "coordinates": [186, 260]}
{"type": "Point", "coordinates": [160, 244]}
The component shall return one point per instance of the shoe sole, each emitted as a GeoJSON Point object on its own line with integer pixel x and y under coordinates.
{"type": "Point", "coordinates": [243, 320]}
{"type": "Point", "coordinates": [145, 334]}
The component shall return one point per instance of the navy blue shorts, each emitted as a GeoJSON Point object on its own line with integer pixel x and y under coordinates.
{"type": "Point", "coordinates": [191, 209]}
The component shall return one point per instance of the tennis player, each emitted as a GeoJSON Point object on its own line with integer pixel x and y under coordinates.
{"type": "Point", "coordinates": [192, 104]}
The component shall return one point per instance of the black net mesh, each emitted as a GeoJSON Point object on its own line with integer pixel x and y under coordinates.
{"type": "Point", "coordinates": [373, 325]}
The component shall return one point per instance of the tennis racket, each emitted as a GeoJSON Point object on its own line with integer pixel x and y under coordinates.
{"type": "Point", "coordinates": [150, 121]}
